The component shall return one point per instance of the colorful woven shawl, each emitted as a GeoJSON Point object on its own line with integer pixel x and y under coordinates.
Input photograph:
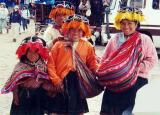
{"type": "Point", "coordinates": [88, 83]}
{"type": "Point", "coordinates": [119, 71]}
{"type": "Point", "coordinates": [22, 71]}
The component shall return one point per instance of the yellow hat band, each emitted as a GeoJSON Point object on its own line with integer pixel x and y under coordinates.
{"type": "Point", "coordinates": [132, 14]}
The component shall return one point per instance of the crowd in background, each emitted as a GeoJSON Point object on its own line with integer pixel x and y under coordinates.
{"type": "Point", "coordinates": [16, 18]}
{"type": "Point", "coordinates": [92, 9]}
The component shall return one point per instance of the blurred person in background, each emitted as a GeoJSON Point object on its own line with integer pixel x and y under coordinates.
{"type": "Point", "coordinates": [84, 7]}
{"type": "Point", "coordinates": [32, 9]}
{"type": "Point", "coordinates": [96, 17]}
{"type": "Point", "coordinates": [15, 20]}
{"type": "Point", "coordinates": [25, 13]}
{"type": "Point", "coordinates": [3, 17]}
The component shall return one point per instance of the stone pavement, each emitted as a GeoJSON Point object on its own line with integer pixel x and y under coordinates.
{"type": "Point", "coordinates": [8, 60]}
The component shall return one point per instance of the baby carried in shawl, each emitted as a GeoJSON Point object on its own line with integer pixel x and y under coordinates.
{"type": "Point", "coordinates": [119, 71]}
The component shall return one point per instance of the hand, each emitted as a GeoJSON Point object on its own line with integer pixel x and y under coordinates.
{"type": "Point", "coordinates": [32, 83]}
{"type": "Point", "coordinates": [54, 41]}
{"type": "Point", "coordinates": [48, 86]}
{"type": "Point", "coordinates": [60, 87]}
{"type": "Point", "coordinates": [15, 97]}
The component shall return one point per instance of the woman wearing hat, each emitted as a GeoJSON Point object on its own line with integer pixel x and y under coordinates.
{"type": "Point", "coordinates": [60, 10]}
{"type": "Point", "coordinates": [62, 68]}
{"type": "Point", "coordinates": [124, 67]}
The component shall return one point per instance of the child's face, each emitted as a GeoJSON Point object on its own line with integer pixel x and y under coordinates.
{"type": "Point", "coordinates": [32, 56]}
{"type": "Point", "coordinates": [75, 34]}
{"type": "Point", "coordinates": [60, 18]}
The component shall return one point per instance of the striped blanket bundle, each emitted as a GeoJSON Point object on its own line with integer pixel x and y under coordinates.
{"type": "Point", "coordinates": [119, 71]}
{"type": "Point", "coordinates": [88, 83]}
{"type": "Point", "coordinates": [24, 72]}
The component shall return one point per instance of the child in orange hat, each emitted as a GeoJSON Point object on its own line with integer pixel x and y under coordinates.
{"type": "Point", "coordinates": [62, 66]}
{"type": "Point", "coordinates": [60, 10]}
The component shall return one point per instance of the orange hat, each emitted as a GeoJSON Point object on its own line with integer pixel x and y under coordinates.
{"type": "Point", "coordinates": [77, 21]}
{"type": "Point", "coordinates": [62, 7]}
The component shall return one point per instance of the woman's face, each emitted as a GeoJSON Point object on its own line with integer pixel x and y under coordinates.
{"type": "Point", "coordinates": [128, 27]}
{"type": "Point", "coordinates": [32, 56]}
{"type": "Point", "coordinates": [75, 34]}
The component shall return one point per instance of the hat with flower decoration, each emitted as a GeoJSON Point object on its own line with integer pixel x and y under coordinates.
{"type": "Point", "coordinates": [77, 21]}
{"type": "Point", "coordinates": [62, 7]}
{"type": "Point", "coordinates": [131, 14]}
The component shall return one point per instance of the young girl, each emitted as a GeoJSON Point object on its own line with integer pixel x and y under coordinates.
{"type": "Point", "coordinates": [62, 68]}
{"type": "Point", "coordinates": [28, 78]}
{"type": "Point", "coordinates": [60, 10]}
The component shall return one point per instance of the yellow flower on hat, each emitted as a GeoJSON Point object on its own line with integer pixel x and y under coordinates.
{"type": "Point", "coordinates": [132, 14]}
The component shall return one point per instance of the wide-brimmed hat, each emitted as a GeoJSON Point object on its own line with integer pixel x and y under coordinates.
{"type": "Point", "coordinates": [77, 21]}
{"type": "Point", "coordinates": [131, 14]}
{"type": "Point", "coordinates": [62, 7]}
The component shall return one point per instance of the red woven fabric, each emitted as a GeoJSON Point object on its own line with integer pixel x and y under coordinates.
{"type": "Point", "coordinates": [119, 71]}
{"type": "Point", "coordinates": [22, 72]}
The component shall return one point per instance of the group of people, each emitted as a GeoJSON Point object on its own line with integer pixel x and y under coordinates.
{"type": "Point", "coordinates": [18, 17]}
{"type": "Point", "coordinates": [46, 78]}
